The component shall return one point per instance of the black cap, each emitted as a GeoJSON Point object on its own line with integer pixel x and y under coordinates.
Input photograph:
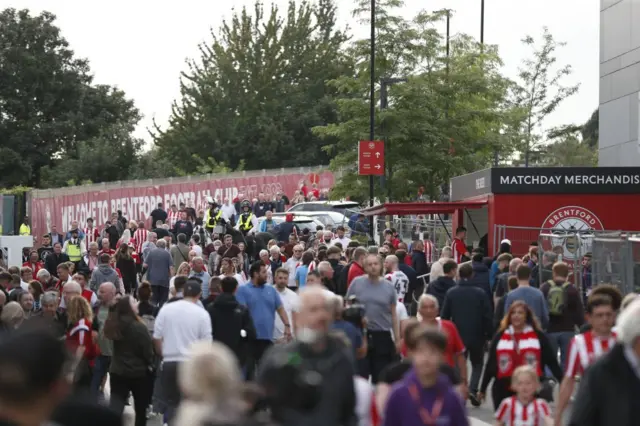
{"type": "Point", "coordinates": [193, 288]}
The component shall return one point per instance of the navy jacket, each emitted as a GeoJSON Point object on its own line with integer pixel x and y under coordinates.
{"type": "Point", "coordinates": [470, 310]}
{"type": "Point", "coordinates": [481, 279]}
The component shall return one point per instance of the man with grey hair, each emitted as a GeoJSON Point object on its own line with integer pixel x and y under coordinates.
{"type": "Point", "coordinates": [148, 245]}
{"type": "Point", "coordinates": [197, 271]}
{"type": "Point", "coordinates": [159, 267]}
{"type": "Point", "coordinates": [326, 274]}
{"type": "Point", "coordinates": [502, 280]}
{"type": "Point", "coordinates": [608, 391]}
{"type": "Point", "coordinates": [437, 267]}
{"type": "Point", "coordinates": [321, 355]}
{"type": "Point", "coordinates": [291, 264]}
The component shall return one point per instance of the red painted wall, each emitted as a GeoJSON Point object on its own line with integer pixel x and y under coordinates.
{"type": "Point", "coordinates": [611, 212]}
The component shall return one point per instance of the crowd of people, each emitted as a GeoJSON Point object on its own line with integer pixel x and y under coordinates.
{"type": "Point", "coordinates": [314, 329]}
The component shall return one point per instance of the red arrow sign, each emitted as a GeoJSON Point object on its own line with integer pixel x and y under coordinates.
{"type": "Point", "coordinates": [371, 158]}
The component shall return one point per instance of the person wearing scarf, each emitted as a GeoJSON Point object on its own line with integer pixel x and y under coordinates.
{"type": "Point", "coordinates": [519, 341]}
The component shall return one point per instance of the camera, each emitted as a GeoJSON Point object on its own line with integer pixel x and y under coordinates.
{"type": "Point", "coordinates": [354, 312]}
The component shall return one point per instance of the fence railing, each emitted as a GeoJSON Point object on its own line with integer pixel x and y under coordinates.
{"type": "Point", "coordinates": [614, 255]}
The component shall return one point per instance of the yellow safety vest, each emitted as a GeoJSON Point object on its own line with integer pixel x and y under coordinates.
{"type": "Point", "coordinates": [208, 220]}
{"type": "Point", "coordinates": [25, 229]}
{"type": "Point", "coordinates": [245, 222]}
{"type": "Point", "coordinates": [74, 253]}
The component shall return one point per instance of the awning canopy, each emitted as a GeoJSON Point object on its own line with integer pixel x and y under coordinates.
{"type": "Point", "coordinates": [406, 209]}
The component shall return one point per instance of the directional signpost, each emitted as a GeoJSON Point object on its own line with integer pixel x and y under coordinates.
{"type": "Point", "coordinates": [371, 158]}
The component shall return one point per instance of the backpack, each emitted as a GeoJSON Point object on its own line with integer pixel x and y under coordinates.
{"type": "Point", "coordinates": [556, 297]}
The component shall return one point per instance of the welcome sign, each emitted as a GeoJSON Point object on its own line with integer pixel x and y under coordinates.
{"type": "Point", "coordinates": [566, 180]}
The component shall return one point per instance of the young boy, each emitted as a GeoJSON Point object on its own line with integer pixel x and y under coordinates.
{"type": "Point", "coordinates": [524, 409]}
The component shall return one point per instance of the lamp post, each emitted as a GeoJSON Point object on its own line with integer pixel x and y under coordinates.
{"type": "Point", "coordinates": [482, 22]}
{"type": "Point", "coordinates": [372, 107]}
{"type": "Point", "coordinates": [384, 103]}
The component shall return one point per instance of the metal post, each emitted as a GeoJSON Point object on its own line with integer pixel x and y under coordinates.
{"type": "Point", "coordinates": [384, 103]}
{"type": "Point", "coordinates": [372, 107]}
{"type": "Point", "coordinates": [482, 22]}
{"type": "Point", "coordinates": [496, 158]}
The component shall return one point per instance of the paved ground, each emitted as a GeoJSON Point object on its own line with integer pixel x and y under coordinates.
{"type": "Point", "coordinates": [480, 416]}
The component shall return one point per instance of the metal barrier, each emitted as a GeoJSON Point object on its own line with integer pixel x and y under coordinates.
{"type": "Point", "coordinates": [615, 255]}
{"type": "Point", "coordinates": [412, 228]}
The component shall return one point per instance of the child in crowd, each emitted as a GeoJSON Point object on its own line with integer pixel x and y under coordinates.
{"type": "Point", "coordinates": [524, 409]}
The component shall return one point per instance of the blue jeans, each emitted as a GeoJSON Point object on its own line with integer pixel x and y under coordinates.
{"type": "Point", "coordinates": [561, 340]}
{"type": "Point", "coordinates": [100, 370]}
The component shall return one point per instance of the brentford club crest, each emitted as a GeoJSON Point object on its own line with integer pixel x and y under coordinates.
{"type": "Point", "coordinates": [504, 363]}
{"type": "Point", "coordinates": [531, 360]}
{"type": "Point", "coordinates": [572, 228]}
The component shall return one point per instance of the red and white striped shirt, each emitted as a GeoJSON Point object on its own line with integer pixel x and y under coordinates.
{"type": "Point", "coordinates": [429, 251]}
{"type": "Point", "coordinates": [512, 412]}
{"type": "Point", "coordinates": [91, 235]}
{"type": "Point", "coordinates": [139, 238]}
{"type": "Point", "coordinates": [172, 218]}
{"type": "Point", "coordinates": [584, 349]}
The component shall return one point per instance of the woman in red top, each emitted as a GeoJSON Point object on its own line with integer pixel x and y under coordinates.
{"type": "Point", "coordinates": [80, 339]}
{"type": "Point", "coordinates": [519, 341]}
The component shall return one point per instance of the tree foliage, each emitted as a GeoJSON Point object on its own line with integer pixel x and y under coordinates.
{"type": "Point", "coordinates": [53, 121]}
{"type": "Point", "coordinates": [443, 121]}
{"type": "Point", "coordinates": [257, 90]}
{"type": "Point", "coordinates": [540, 89]}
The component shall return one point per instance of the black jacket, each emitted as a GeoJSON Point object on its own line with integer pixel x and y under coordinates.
{"type": "Point", "coordinates": [335, 281]}
{"type": "Point", "coordinates": [470, 310]}
{"type": "Point", "coordinates": [481, 279]}
{"type": "Point", "coordinates": [413, 280]}
{"type": "Point", "coordinates": [608, 393]}
{"type": "Point", "coordinates": [133, 355]}
{"type": "Point", "coordinates": [52, 262]}
{"type": "Point", "coordinates": [285, 229]}
{"type": "Point", "coordinates": [439, 288]}
{"type": "Point", "coordinates": [419, 262]}
{"type": "Point", "coordinates": [228, 319]}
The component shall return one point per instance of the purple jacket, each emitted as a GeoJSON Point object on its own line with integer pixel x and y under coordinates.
{"type": "Point", "coordinates": [401, 410]}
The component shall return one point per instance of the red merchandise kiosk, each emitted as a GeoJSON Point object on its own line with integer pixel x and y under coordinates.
{"type": "Point", "coordinates": [520, 204]}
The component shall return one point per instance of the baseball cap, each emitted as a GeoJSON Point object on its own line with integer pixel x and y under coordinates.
{"type": "Point", "coordinates": [505, 241]}
{"type": "Point", "coordinates": [192, 288]}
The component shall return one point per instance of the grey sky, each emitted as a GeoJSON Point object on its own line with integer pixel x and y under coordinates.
{"type": "Point", "coordinates": [141, 45]}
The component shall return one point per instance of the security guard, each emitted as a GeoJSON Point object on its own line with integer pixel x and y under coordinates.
{"type": "Point", "coordinates": [247, 222]}
{"type": "Point", "coordinates": [214, 216]}
{"type": "Point", "coordinates": [25, 229]}
{"type": "Point", "coordinates": [74, 247]}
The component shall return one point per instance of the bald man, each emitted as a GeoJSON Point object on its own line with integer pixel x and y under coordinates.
{"type": "Point", "coordinates": [322, 353]}
{"type": "Point", "coordinates": [396, 277]}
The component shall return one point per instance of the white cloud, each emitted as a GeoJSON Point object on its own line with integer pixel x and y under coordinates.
{"type": "Point", "coordinates": [141, 45]}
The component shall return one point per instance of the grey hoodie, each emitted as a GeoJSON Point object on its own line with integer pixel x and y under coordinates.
{"type": "Point", "coordinates": [103, 274]}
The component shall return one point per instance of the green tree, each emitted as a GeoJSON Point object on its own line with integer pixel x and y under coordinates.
{"type": "Point", "coordinates": [443, 121]}
{"type": "Point", "coordinates": [258, 89]}
{"type": "Point", "coordinates": [540, 90]}
{"type": "Point", "coordinates": [106, 149]}
{"type": "Point", "coordinates": [50, 114]}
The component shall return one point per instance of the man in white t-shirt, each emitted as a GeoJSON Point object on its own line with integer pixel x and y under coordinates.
{"type": "Point", "coordinates": [291, 265]}
{"type": "Point", "coordinates": [396, 277]}
{"type": "Point", "coordinates": [180, 323]}
{"type": "Point", "coordinates": [340, 237]}
{"type": "Point", "coordinates": [290, 303]}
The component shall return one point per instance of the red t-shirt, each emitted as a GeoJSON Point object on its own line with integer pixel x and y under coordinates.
{"type": "Point", "coordinates": [354, 271]}
{"type": "Point", "coordinates": [80, 335]}
{"type": "Point", "coordinates": [454, 341]}
{"type": "Point", "coordinates": [35, 267]}
{"type": "Point", "coordinates": [459, 249]}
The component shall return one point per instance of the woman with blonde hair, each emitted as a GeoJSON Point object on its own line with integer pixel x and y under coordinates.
{"type": "Point", "coordinates": [519, 341]}
{"type": "Point", "coordinates": [80, 340]}
{"type": "Point", "coordinates": [125, 239]}
{"type": "Point", "coordinates": [183, 270]}
{"type": "Point", "coordinates": [212, 387]}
